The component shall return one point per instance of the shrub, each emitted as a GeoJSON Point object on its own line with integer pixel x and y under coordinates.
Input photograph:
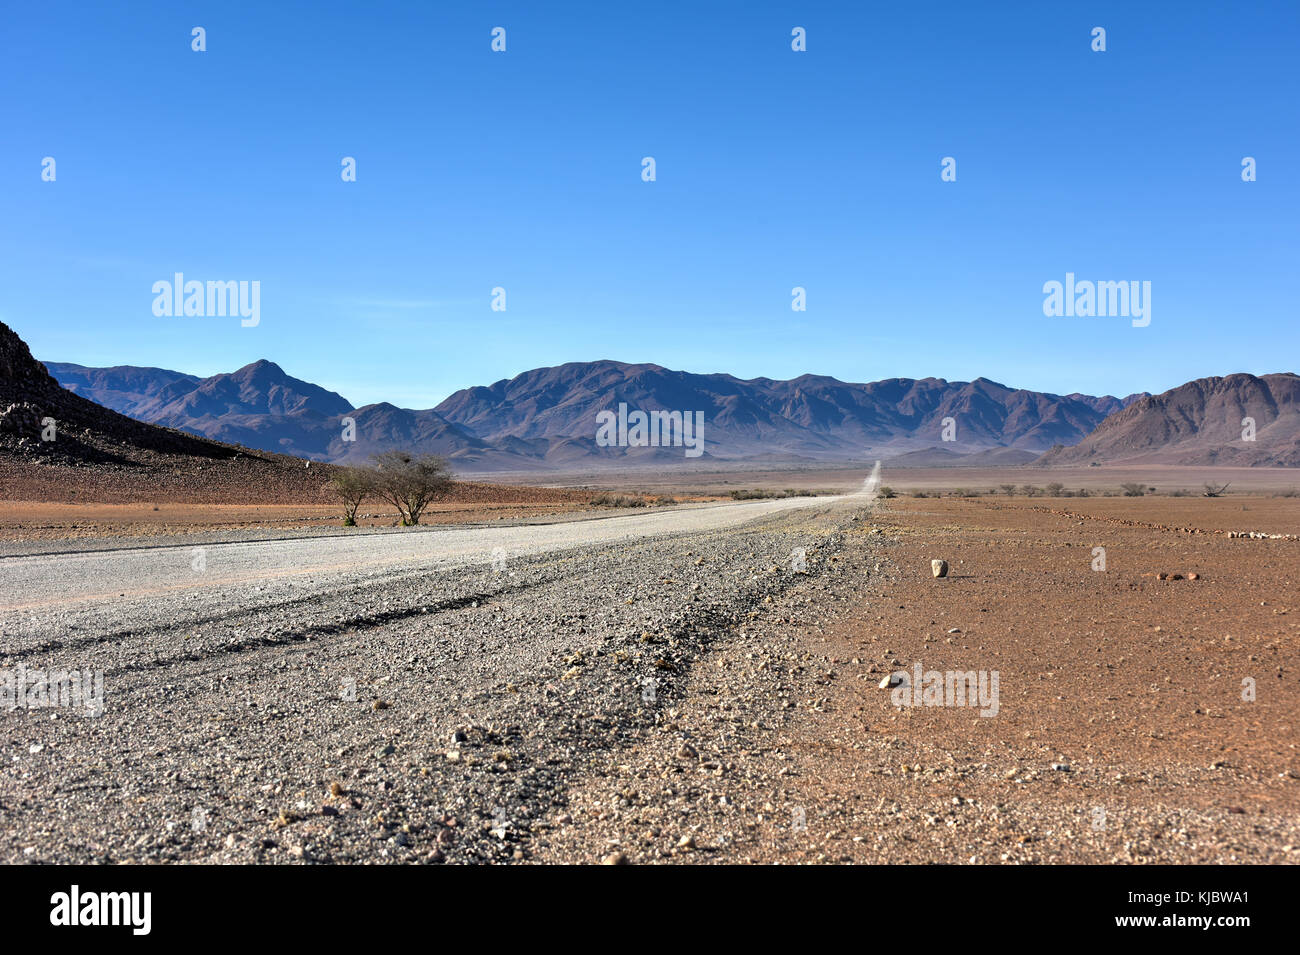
{"type": "Point", "coordinates": [1055, 488]}
{"type": "Point", "coordinates": [887, 491]}
{"type": "Point", "coordinates": [1133, 489]}
{"type": "Point", "coordinates": [760, 494]}
{"type": "Point", "coordinates": [618, 500]}
{"type": "Point", "coordinates": [351, 486]}
{"type": "Point", "coordinates": [410, 482]}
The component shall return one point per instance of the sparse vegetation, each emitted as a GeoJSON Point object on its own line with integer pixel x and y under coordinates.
{"type": "Point", "coordinates": [887, 492]}
{"type": "Point", "coordinates": [351, 486]}
{"type": "Point", "coordinates": [618, 500]}
{"type": "Point", "coordinates": [1008, 489]}
{"type": "Point", "coordinates": [410, 482]}
{"type": "Point", "coordinates": [1029, 490]}
{"type": "Point", "coordinates": [1133, 489]}
{"type": "Point", "coordinates": [1055, 488]}
{"type": "Point", "coordinates": [749, 494]}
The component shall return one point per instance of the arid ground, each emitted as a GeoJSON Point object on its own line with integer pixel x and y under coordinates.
{"type": "Point", "coordinates": [1165, 478]}
{"type": "Point", "coordinates": [669, 685]}
{"type": "Point", "coordinates": [1129, 685]}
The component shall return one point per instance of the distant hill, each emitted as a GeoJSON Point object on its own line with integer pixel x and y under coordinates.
{"type": "Point", "coordinates": [1108, 404]}
{"type": "Point", "coordinates": [123, 388]}
{"type": "Point", "coordinates": [260, 406]}
{"type": "Point", "coordinates": [810, 418]}
{"type": "Point", "coordinates": [1199, 423]}
{"type": "Point", "coordinates": [546, 418]}
{"type": "Point", "coordinates": [57, 445]}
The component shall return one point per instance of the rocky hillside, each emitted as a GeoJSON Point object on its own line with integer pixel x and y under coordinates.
{"type": "Point", "coordinates": [54, 444]}
{"type": "Point", "coordinates": [1201, 422]}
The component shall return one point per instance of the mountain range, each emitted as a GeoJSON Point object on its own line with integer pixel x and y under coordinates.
{"type": "Point", "coordinates": [546, 418]}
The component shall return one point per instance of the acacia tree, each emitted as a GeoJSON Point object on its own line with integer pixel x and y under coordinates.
{"type": "Point", "coordinates": [410, 482]}
{"type": "Point", "coordinates": [352, 486]}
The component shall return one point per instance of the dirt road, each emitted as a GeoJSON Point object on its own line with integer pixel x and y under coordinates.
{"type": "Point", "coordinates": [696, 694]}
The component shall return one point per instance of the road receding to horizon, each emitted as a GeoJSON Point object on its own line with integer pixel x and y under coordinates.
{"type": "Point", "coordinates": [42, 592]}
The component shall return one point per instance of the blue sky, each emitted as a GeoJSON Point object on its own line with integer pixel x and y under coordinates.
{"type": "Point", "coordinates": [775, 169]}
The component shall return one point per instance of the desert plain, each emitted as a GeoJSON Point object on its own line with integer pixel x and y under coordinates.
{"type": "Point", "coordinates": [539, 678]}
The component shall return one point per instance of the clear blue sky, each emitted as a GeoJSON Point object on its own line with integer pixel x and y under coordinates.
{"type": "Point", "coordinates": [775, 169]}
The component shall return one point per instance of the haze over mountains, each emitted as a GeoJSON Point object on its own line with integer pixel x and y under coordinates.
{"type": "Point", "coordinates": [547, 417]}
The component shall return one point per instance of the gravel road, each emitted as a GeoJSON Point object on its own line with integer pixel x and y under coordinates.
{"type": "Point", "coordinates": [374, 698]}
{"type": "Point", "coordinates": [42, 594]}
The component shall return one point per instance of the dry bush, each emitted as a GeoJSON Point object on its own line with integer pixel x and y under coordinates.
{"type": "Point", "coordinates": [351, 486]}
{"type": "Point", "coordinates": [410, 482]}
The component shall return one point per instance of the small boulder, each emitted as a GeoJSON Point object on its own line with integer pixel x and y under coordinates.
{"type": "Point", "coordinates": [939, 568]}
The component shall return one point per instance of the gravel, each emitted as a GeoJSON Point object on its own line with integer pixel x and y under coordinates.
{"type": "Point", "coordinates": [379, 698]}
